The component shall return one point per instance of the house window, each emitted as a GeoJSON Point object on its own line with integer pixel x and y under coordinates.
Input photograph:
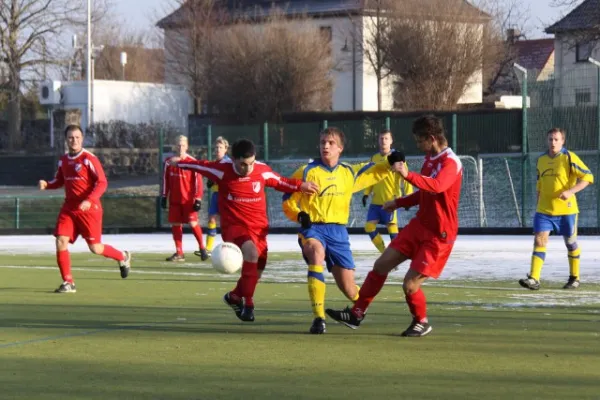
{"type": "Point", "coordinates": [583, 96]}
{"type": "Point", "coordinates": [583, 51]}
{"type": "Point", "coordinates": [326, 33]}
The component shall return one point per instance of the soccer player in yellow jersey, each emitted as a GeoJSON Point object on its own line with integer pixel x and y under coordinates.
{"type": "Point", "coordinates": [323, 217]}
{"type": "Point", "coordinates": [385, 190]}
{"type": "Point", "coordinates": [560, 175]}
{"type": "Point", "coordinates": [221, 147]}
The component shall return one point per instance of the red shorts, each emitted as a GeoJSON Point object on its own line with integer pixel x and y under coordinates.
{"type": "Point", "coordinates": [240, 235]}
{"type": "Point", "coordinates": [88, 224]}
{"type": "Point", "coordinates": [182, 213]}
{"type": "Point", "coordinates": [426, 250]}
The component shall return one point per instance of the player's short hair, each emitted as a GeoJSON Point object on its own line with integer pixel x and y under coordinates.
{"type": "Point", "coordinates": [223, 141]}
{"type": "Point", "coordinates": [557, 130]}
{"type": "Point", "coordinates": [334, 131]}
{"type": "Point", "coordinates": [72, 128]}
{"type": "Point", "coordinates": [429, 125]}
{"type": "Point", "coordinates": [243, 148]}
{"type": "Point", "coordinates": [182, 137]}
{"type": "Point", "coordinates": [385, 132]}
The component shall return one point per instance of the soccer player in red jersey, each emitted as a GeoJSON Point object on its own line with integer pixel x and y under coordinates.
{"type": "Point", "coordinates": [184, 190]}
{"type": "Point", "coordinates": [80, 172]}
{"type": "Point", "coordinates": [428, 238]}
{"type": "Point", "coordinates": [243, 208]}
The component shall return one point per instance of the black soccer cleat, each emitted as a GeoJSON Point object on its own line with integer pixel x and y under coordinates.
{"type": "Point", "coordinates": [345, 316]}
{"type": "Point", "coordinates": [572, 283]}
{"type": "Point", "coordinates": [530, 283]}
{"type": "Point", "coordinates": [318, 326]}
{"type": "Point", "coordinates": [66, 287]}
{"type": "Point", "coordinates": [125, 265]}
{"type": "Point", "coordinates": [247, 314]}
{"type": "Point", "coordinates": [203, 254]}
{"type": "Point", "coordinates": [417, 329]}
{"type": "Point", "coordinates": [176, 257]}
{"type": "Point", "coordinates": [237, 307]}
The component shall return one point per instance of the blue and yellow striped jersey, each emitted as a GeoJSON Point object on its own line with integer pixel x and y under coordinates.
{"type": "Point", "coordinates": [554, 176]}
{"type": "Point", "coordinates": [332, 204]}
{"type": "Point", "coordinates": [391, 187]}
{"type": "Point", "coordinates": [215, 187]}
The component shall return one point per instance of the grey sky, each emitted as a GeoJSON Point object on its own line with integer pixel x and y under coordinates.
{"type": "Point", "coordinates": [143, 13]}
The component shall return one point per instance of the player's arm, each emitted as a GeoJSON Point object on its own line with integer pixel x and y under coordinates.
{"type": "Point", "coordinates": [166, 187]}
{"type": "Point", "coordinates": [290, 200]}
{"type": "Point", "coordinates": [287, 185]}
{"type": "Point", "coordinates": [57, 182]}
{"type": "Point", "coordinates": [581, 170]}
{"type": "Point", "coordinates": [441, 182]}
{"type": "Point", "coordinates": [405, 187]}
{"type": "Point", "coordinates": [407, 201]}
{"type": "Point", "coordinates": [368, 174]}
{"type": "Point", "coordinates": [213, 170]}
{"type": "Point", "coordinates": [100, 184]}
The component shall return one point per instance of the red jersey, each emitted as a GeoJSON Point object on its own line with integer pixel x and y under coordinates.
{"type": "Point", "coordinates": [179, 185]}
{"type": "Point", "coordinates": [439, 191]}
{"type": "Point", "coordinates": [242, 199]}
{"type": "Point", "coordinates": [82, 176]}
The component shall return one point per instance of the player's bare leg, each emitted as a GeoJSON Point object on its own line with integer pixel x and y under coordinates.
{"type": "Point", "coordinates": [122, 257]}
{"type": "Point", "coordinates": [177, 233]}
{"type": "Point", "coordinates": [344, 279]}
{"type": "Point", "coordinates": [197, 231]}
{"type": "Point", "coordinates": [315, 254]}
{"type": "Point", "coordinates": [63, 259]}
{"type": "Point", "coordinates": [241, 298]}
{"type": "Point", "coordinates": [540, 241]}
{"type": "Point", "coordinates": [417, 303]}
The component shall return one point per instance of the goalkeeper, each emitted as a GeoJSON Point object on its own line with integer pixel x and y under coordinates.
{"type": "Point", "coordinates": [323, 217]}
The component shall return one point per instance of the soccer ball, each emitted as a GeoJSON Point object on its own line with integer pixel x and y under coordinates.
{"type": "Point", "coordinates": [227, 258]}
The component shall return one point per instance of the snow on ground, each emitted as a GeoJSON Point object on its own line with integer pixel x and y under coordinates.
{"type": "Point", "coordinates": [473, 258]}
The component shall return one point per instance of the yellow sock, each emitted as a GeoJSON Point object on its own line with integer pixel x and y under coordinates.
{"type": "Point", "coordinates": [353, 299]}
{"type": "Point", "coordinates": [574, 262]}
{"type": "Point", "coordinates": [393, 230]}
{"type": "Point", "coordinates": [376, 238]}
{"type": "Point", "coordinates": [210, 236]}
{"type": "Point", "coordinates": [316, 290]}
{"type": "Point", "coordinates": [537, 262]}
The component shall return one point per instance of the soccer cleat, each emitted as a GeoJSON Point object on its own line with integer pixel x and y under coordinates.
{"type": "Point", "coordinates": [203, 254]}
{"type": "Point", "coordinates": [125, 265]}
{"type": "Point", "coordinates": [572, 283]}
{"type": "Point", "coordinates": [247, 314]}
{"type": "Point", "coordinates": [417, 329]}
{"type": "Point", "coordinates": [237, 307]}
{"type": "Point", "coordinates": [176, 257]}
{"type": "Point", "coordinates": [66, 287]}
{"type": "Point", "coordinates": [345, 316]}
{"type": "Point", "coordinates": [530, 283]}
{"type": "Point", "coordinates": [318, 326]}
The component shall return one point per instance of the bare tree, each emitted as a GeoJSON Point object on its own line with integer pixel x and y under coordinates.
{"type": "Point", "coordinates": [282, 65]}
{"type": "Point", "coordinates": [29, 38]}
{"type": "Point", "coordinates": [436, 50]}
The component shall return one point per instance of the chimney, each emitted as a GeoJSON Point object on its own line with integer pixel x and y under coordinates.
{"type": "Point", "coordinates": [512, 35]}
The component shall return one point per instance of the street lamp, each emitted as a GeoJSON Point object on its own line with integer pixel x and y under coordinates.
{"type": "Point", "coordinates": [123, 63]}
{"type": "Point", "coordinates": [523, 140]}
{"type": "Point", "coordinates": [597, 64]}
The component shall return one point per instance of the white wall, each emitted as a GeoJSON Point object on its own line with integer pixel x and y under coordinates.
{"type": "Point", "coordinates": [131, 102]}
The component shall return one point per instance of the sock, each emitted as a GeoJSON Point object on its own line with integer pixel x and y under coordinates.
{"type": "Point", "coordinates": [210, 236]}
{"type": "Point", "coordinates": [316, 290]}
{"type": "Point", "coordinates": [111, 252]}
{"type": "Point", "coordinates": [393, 231]}
{"type": "Point", "coordinates": [177, 231]}
{"type": "Point", "coordinates": [537, 262]}
{"type": "Point", "coordinates": [574, 253]}
{"type": "Point", "coordinates": [197, 231]}
{"type": "Point", "coordinates": [417, 303]}
{"type": "Point", "coordinates": [376, 238]}
{"type": "Point", "coordinates": [353, 299]}
{"type": "Point", "coordinates": [63, 259]}
{"type": "Point", "coordinates": [247, 283]}
{"type": "Point", "coordinates": [370, 288]}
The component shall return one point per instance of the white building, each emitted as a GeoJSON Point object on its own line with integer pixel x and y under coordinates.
{"type": "Point", "coordinates": [355, 83]}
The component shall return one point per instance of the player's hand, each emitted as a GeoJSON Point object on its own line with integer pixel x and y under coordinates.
{"type": "Point", "coordinates": [309, 187]}
{"type": "Point", "coordinates": [565, 195]}
{"type": "Point", "coordinates": [389, 206]}
{"type": "Point", "coordinates": [174, 160]}
{"type": "Point", "coordinates": [401, 168]}
{"type": "Point", "coordinates": [197, 205]}
{"type": "Point", "coordinates": [364, 200]}
{"type": "Point", "coordinates": [42, 185]}
{"type": "Point", "coordinates": [304, 220]}
{"type": "Point", "coordinates": [396, 156]}
{"type": "Point", "coordinates": [210, 184]}
{"type": "Point", "coordinates": [85, 205]}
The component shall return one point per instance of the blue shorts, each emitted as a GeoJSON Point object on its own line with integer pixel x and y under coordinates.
{"type": "Point", "coordinates": [377, 213]}
{"type": "Point", "coordinates": [564, 225]}
{"type": "Point", "coordinates": [213, 205]}
{"type": "Point", "coordinates": [335, 241]}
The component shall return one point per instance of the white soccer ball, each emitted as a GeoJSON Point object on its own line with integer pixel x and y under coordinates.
{"type": "Point", "coordinates": [227, 258]}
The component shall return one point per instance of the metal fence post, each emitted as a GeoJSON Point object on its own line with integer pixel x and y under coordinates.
{"type": "Point", "coordinates": [266, 141]}
{"type": "Point", "coordinates": [209, 142]}
{"type": "Point", "coordinates": [17, 213]}
{"type": "Point", "coordinates": [597, 64]}
{"type": "Point", "coordinates": [325, 124]}
{"type": "Point", "coordinates": [524, 161]}
{"type": "Point", "coordinates": [388, 123]}
{"type": "Point", "coordinates": [454, 133]}
{"type": "Point", "coordinates": [161, 165]}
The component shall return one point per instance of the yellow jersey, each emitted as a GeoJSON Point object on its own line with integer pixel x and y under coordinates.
{"type": "Point", "coordinates": [391, 187]}
{"type": "Point", "coordinates": [554, 176]}
{"type": "Point", "coordinates": [336, 186]}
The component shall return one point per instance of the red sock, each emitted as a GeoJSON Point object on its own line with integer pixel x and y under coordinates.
{"type": "Point", "coordinates": [197, 231]}
{"type": "Point", "coordinates": [177, 231]}
{"type": "Point", "coordinates": [111, 252]}
{"type": "Point", "coordinates": [247, 283]}
{"type": "Point", "coordinates": [417, 303]}
{"type": "Point", "coordinates": [63, 260]}
{"type": "Point", "coordinates": [370, 288]}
